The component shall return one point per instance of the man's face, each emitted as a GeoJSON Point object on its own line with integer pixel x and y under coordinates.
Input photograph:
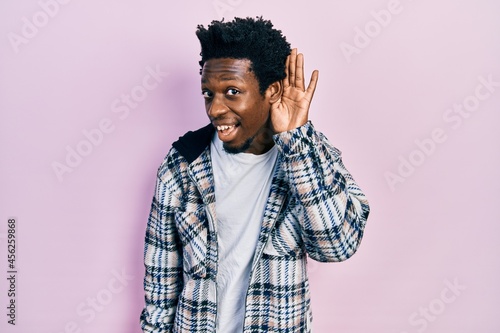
{"type": "Point", "coordinates": [235, 106]}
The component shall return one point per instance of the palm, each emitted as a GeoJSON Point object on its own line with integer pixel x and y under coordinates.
{"type": "Point", "coordinates": [292, 110]}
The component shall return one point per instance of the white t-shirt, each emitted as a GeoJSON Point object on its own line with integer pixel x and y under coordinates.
{"type": "Point", "coordinates": [242, 185]}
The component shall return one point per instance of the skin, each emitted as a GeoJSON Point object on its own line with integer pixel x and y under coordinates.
{"type": "Point", "coordinates": [232, 97]}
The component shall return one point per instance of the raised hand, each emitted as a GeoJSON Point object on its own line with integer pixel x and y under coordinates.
{"type": "Point", "coordinates": [292, 109]}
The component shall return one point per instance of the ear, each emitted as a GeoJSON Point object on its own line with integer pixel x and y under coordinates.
{"type": "Point", "coordinates": [274, 91]}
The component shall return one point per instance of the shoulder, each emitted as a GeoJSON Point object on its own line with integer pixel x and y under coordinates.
{"type": "Point", "coordinates": [184, 151]}
{"type": "Point", "coordinates": [173, 176]}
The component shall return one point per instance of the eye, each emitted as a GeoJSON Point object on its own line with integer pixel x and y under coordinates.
{"type": "Point", "coordinates": [232, 91]}
{"type": "Point", "coordinates": [206, 94]}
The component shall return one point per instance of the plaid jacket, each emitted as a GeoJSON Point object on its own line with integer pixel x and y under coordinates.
{"type": "Point", "coordinates": [314, 208]}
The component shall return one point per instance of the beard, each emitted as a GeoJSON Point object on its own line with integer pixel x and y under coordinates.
{"type": "Point", "coordinates": [240, 149]}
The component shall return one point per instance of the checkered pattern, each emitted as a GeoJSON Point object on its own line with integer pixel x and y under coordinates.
{"type": "Point", "coordinates": [314, 208]}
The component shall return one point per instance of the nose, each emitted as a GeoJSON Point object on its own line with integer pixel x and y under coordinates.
{"type": "Point", "coordinates": [216, 107]}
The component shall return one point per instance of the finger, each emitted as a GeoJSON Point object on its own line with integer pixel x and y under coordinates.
{"type": "Point", "coordinates": [291, 67]}
{"type": "Point", "coordinates": [286, 81]}
{"type": "Point", "coordinates": [299, 72]}
{"type": "Point", "coordinates": [312, 85]}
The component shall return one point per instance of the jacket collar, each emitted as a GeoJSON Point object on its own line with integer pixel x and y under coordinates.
{"type": "Point", "coordinates": [192, 144]}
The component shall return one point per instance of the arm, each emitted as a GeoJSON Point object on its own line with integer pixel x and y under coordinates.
{"type": "Point", "coordinates": [163, 279]}
{"type": "Point", "coordinates": [332, 209]}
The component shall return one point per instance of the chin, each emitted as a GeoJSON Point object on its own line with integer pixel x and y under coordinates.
{"type": "Point", "coordinates": [235, 149]}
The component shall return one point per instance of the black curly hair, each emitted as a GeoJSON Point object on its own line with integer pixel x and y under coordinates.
{"type": "Point", "coordinates": [247, 38]}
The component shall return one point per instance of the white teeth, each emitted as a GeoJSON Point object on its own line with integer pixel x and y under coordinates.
{"type": "Point", "coordinates": [223, 128]}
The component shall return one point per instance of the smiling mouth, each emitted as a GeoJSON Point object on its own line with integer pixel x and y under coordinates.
{"type": "Point", "coordinates": [226, 130]}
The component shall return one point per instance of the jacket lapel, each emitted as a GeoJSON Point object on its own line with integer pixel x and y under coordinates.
{"type": "Point", "coordinates": [201, 173]}
{"type": "Point", "coordinates": [275, 201]}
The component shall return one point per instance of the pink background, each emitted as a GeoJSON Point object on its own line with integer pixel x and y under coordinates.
{"type": "Point", "coordinates": [435, 226]}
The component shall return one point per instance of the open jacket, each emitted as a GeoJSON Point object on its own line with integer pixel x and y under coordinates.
{"type": "Point", "coordinates": [314, 208]}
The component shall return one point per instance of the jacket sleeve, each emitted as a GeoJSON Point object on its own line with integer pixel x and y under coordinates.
{"type": "Point", "coordinates": [332, 208]}
{"type": "Point", "coordinates": [163, 279]}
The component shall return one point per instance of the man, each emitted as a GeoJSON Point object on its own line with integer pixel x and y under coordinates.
{"type": "Point", "coordinates": [240, 203]}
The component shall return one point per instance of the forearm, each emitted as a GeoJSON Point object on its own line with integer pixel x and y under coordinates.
{"type": "Point", "coordinates": [333, 208]}
{"type": "Point", "coordinates": [162, 288]}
